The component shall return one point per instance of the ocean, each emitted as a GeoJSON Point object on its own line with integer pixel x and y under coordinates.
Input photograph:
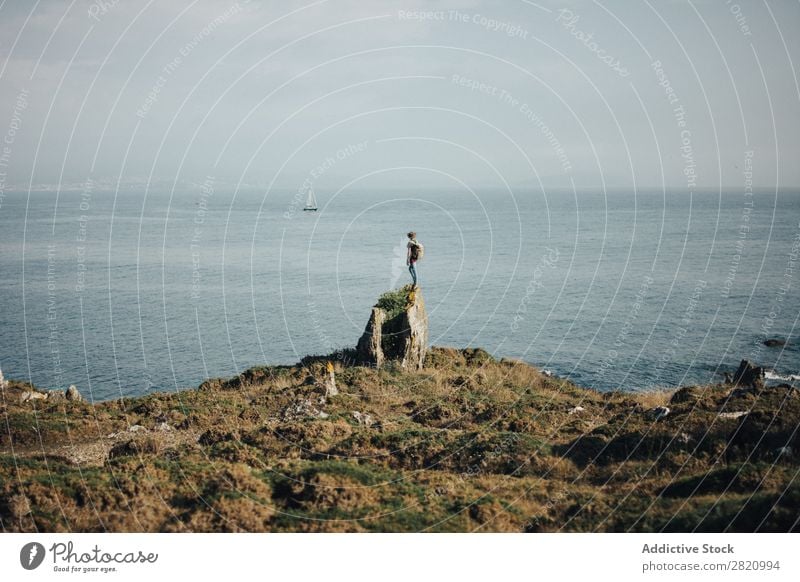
{"type": "Point", "coordinates": [125, 293]}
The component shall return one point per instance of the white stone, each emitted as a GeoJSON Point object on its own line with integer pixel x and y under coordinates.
{"type": "Point", "coordinates": [660, 412]}
{"type": "Point", "coordinates": [363, 418]}
{"type": "Point", "coordinates": [736, 414]}
{"type": "Point", "coordinates": [31, 395]}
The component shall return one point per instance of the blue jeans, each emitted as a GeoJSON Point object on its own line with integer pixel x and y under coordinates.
{"type": "Point", "coordinates": [413, 270]}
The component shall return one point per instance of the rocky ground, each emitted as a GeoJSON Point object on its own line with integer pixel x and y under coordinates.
{"type": "Point", "coordinates": [466, 443]}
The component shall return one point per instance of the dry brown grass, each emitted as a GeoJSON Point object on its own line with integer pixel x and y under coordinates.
{"type": "Point", "coordinates": [655, 398]}
{"type": "Point", "coordinates": [466, 444]}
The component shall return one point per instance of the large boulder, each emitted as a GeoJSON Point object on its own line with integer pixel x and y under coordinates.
{"type": "Point", "coordinates": [73, 394]}
{"type": "Point", "coordinates": [397, 330]}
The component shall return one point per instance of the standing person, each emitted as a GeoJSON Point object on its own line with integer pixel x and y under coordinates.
{"type": "Point", "coordinates": [415, 250]}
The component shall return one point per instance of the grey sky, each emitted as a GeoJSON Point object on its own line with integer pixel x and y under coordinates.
{"type": "Point", "coordinates": [479, 93]}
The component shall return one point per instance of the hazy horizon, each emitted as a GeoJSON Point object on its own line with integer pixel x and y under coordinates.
{"type": "Point", "coordinates": [434, 95]}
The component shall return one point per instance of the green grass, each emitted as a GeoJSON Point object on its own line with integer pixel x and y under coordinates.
{"type": "Point", "coordinates": [394, 302]}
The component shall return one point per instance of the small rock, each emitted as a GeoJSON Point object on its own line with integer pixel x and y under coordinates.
{"type": "Point", "coordinates": [136, 428]}
{"type": "Point", "coordinates": [736, 414]}
{"type": "Point", "coordinates": [576, 409]}
{"type": "Point", "coordinates": [774, 342]}
{"type": "Point", "coordinates": [363, 418]}
{"type": "Point", "coordinates": [31, 395]}
{"type": "Point", "coordinates": [163, 427]}
{"type": "Point", "coordinates": [304, 408]}
{"type": "Point", "coordinates": [55, 395]}
{"type": "Point", "coordinates": [660, 412]}
{"type": "Point", "coordinates": [73, 394]}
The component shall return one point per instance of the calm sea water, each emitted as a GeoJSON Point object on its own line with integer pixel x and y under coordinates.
{"type": "Point", "coordinates": [134, 292]}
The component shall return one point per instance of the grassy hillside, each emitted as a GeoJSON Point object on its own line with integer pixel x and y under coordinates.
{"type": "Point", "coordinates": [468, 443]}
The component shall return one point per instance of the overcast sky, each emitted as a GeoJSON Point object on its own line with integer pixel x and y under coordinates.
{"type": "Point", "coordinates": [379, 93]}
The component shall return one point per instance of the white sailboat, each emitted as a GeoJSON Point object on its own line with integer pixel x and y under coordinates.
{"type": "Point", "coordinates": [311, 201]}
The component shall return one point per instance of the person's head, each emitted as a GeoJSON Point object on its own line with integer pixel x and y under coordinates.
{"type": "Point", "coordinates": [412, 235]}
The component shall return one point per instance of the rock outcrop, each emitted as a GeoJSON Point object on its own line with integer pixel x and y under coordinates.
{"type": "Point", "coordinates": [414, 332]}
{"type": "Point", "coordinates": [70, 394]}
{"type": "Point", "coordinates": [73, 394]}
{"type": "Point", "coordinates": [749, 375]}
{"type": "Point", "coordinates": [397, 330]}
{"type": "Point", "coordinates": [330, 380]}
{"type": "Point", "coordinates": [369, 345]}
{"type": "Point", "coordinates": [774, 343]}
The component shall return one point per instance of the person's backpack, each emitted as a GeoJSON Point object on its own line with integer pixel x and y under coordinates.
{"type": "Point", "coordinates": [417, 251]}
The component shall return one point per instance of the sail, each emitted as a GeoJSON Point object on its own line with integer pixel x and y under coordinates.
{"type": "Point", "coordinates": [311, 201]}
